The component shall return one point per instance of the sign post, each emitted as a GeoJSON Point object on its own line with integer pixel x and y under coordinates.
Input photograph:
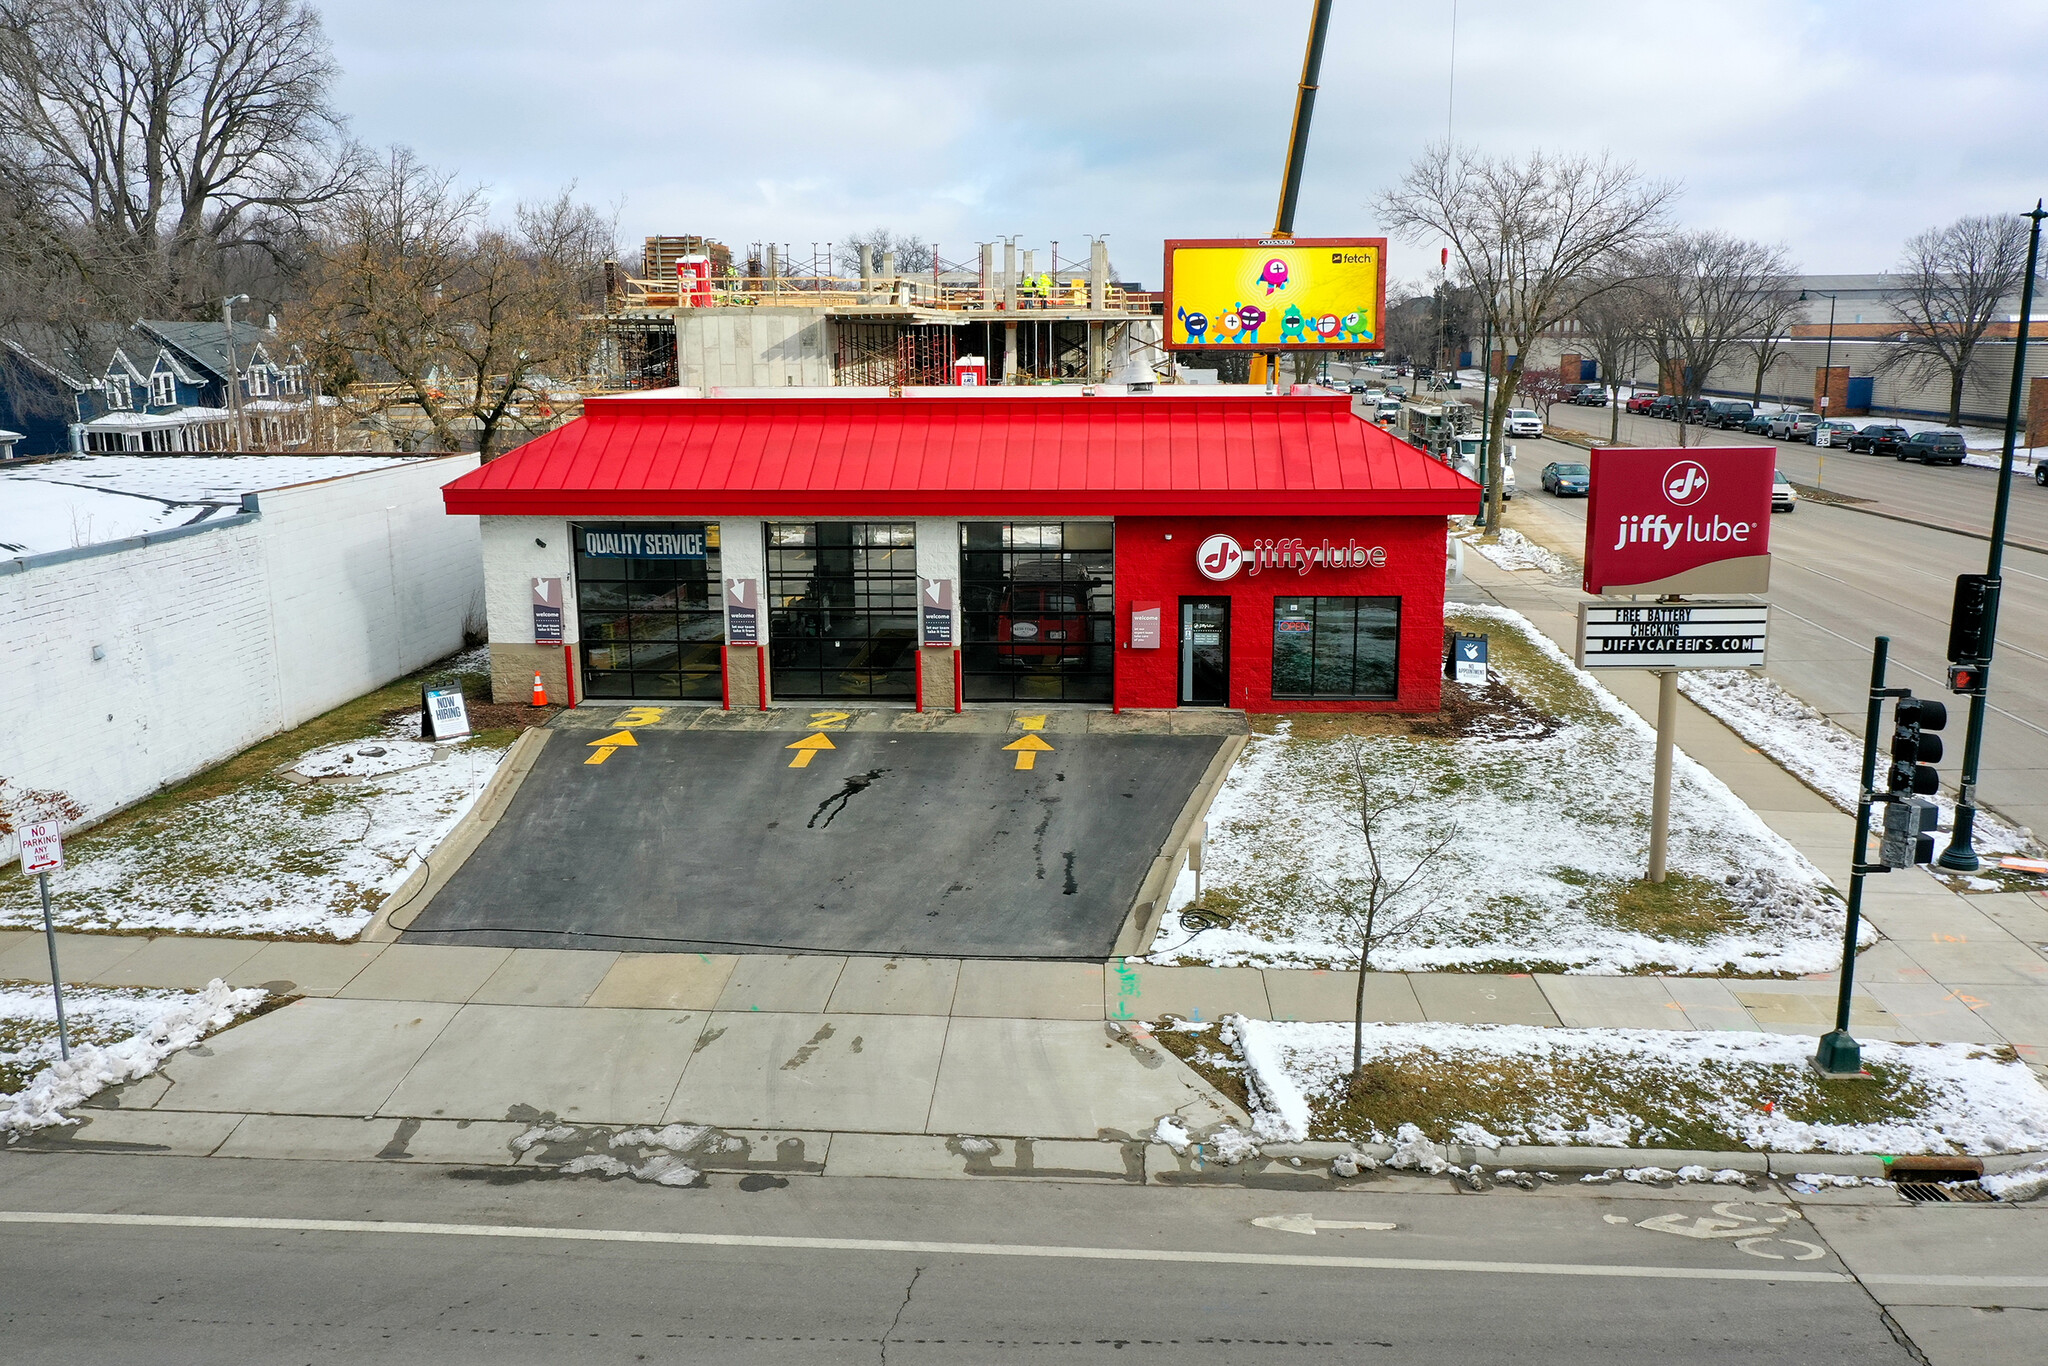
{"type": "Point", "coordinates": [1661, 524]}
{"type": "Point", "coordinates": [42, 853]}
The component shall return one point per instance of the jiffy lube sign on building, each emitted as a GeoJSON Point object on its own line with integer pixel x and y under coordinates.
{"type": "Point", "coordinates": [1221, 557]}
{"type": "Point", "coordinates": [1680, 521]}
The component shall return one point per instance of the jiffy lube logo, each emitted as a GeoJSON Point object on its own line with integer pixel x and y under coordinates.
{"type": "Point", "coordinates": [1657, 516]}
{"type": "Point", "coordinates": [1685, 483]}
{"type": "Point", "coordinates": [1219, 557]}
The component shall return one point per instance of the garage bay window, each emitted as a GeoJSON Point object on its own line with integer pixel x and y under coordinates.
{"type": "Point", "coordinates": [1036, 611]}
{"type": "Point", "coordinates": [842, 608]}
{"type": "Point", "coordinates": [649, 607]}
{"type": "Point", "coordinates": [1336, 648]}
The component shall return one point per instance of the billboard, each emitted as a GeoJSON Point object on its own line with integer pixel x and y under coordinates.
{"type": "Point", "coordinates": [1680, 520]}
{"type": "Point", "coordinates": [1275, 294]}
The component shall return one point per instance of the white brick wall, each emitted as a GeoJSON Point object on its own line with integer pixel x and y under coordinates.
{"type": "Point", "coordinates": [214, 641]}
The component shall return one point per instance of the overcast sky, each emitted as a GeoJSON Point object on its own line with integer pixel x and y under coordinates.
{"type": "Point", "coordinates": [1835, 127]}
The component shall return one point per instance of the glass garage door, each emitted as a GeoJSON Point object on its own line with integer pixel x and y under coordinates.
{"type": "Point", "coordinates": [649, 609]}
{"type": "Point", "coordinates": [1037, 611]}
{"type": "Point", "coordinates": [842, 609]}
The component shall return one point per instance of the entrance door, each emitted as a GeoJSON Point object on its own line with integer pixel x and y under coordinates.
{"type": "Point", "coordinates": [1204, 652]}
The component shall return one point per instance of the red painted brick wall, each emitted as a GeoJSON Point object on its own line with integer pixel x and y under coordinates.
{"type": "Point", "coordinates": [1150, 568]}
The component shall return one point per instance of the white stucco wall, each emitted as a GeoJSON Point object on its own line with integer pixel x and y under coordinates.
{"type": "Point", "coordinates": [215, 640]}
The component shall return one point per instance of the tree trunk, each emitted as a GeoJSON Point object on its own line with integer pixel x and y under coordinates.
{"type": "Point", "coordinates": [1613, 416]}
{"type": "Point", "coordinates": [1496, 453]}
{"type": "Point", "coordinates": [1358, 1012]}
{"type": "Point", "coordinates": [1955, 395]}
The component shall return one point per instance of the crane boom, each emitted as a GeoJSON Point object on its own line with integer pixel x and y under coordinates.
{"type": "Point", "coordinates": [1304, 107]}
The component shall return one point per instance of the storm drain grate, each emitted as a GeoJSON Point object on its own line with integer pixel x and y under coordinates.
{"type": "Point", "coordinates": [1945, 1192]}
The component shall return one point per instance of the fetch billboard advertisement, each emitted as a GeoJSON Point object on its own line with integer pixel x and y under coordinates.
{"type": "Point", "coordinates": [1276, 294]}
{"type": "Point", "coordinates": [1680, 520]}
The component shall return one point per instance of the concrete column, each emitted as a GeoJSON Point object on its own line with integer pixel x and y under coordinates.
{"type": "Point", "coordinates": [1010, 276]}
{"type": "Point", "coordinates": [988, 274]}
{"type": "Point", "coordinates": [774, 270]}
{"type": "Point", "coordinates": [1098, 276]}
{"type": "Point", "coordinates": [1009, 353]}
{"type": "Point", "coordinates": [867, 271]}
{"type": "Point", "coordinates": [1095, 358]}
{"type": "Point", "coordinates": [889, 269]}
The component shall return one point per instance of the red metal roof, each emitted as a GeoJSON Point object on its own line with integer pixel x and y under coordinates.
{"type": "Point", "coordinates": [973, 455]}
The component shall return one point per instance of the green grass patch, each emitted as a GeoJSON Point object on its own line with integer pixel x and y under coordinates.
{"type": "Point", "coordinates": [1683, 907]}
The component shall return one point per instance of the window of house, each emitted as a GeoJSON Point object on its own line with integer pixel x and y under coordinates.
{"type": "Point", "coordinates": [118, 395]}
{"type": "Point", "coordinates": [1336, 647]}
{"type": "Point", "coordinates": [163, 389]}
{"type": "Point", "coordinates": [259, 382]}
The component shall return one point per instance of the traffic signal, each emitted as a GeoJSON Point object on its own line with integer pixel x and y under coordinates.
{"type": "Point", "coordinates": [1913, 749]}
{"type": "Point", "coordinates": [1909, 826]}
{"type": "Point", "coordinates": [1971, 680]}
{"type": "Point", "coordinates": [1970, 619]}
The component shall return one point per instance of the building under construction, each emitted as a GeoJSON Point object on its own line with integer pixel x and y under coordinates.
{"type": "Point", "coordinates": [698, 319]}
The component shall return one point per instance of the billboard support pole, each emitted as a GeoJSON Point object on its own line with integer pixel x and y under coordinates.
{"type": "Point", "coordinates": [1304, 107]}
{"type": "Point", "coordinates": [1660, 789]}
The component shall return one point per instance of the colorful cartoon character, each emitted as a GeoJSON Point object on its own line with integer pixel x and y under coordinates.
{"type": "Point", "coordinates": [1274, 276]}
{"type": "Point", "coordinates": [1327, 327]}
{"type": "Point", "coordinates": [1253, 317]}
{"type": "Point", "coordinates": [1194, 324]}
{"type": "Point", "coordinates": [1356, 328]}
{"type": "Point", "coordinates": [1293, 325]}
{"type": "Point", "coordinates": [1228, 325]}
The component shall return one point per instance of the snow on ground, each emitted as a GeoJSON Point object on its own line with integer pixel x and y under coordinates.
{"type": "Point", "coordinates": [273, 857]}
{"type": "Point", "coordinates": [1515, 551]}
{"type": "Point", "coordinates": [1816, 750]}
{"type": "Point", "coordinates": [90, 499]}
{"type": "Point", "coordinates": [1635, 1087]}
{"type": "Point", "coordinates": [116, 1034]}
{"type": "Point", "coordinates": [1547, 803]}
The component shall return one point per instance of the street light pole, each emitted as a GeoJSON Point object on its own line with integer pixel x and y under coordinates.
{"type": "Point", "coordinates": [227, 320]}
{"type": "Point", "coordinates": [1960, 855]}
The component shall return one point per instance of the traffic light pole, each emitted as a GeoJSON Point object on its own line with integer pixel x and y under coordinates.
{"type": "Point", "coordinates": [1959, 855]}
{"type": "Point", "coordinates": [1839, 1055]}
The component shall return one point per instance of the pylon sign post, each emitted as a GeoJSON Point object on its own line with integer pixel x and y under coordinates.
{"type": "Point", "coordinates": [42, 853]}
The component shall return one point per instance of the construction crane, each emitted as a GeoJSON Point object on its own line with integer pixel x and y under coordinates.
{"type": "Point", "coordinates": [1297, 145]}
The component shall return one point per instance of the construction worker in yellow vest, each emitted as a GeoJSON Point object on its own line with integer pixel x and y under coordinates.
{"type": "Point", "coordinates": [1042, 286]}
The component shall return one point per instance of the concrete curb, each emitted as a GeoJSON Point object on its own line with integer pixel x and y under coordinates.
{"type": "Point", "coordinates": [1148, 908]}
{"type": "Point", "coordinates": [403, 906]}
{"type": "Point", "coordinates": [1117, 1158]}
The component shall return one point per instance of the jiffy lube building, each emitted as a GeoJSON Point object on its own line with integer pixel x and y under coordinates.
{"type": "Point", "coordinates": [1185, 548]}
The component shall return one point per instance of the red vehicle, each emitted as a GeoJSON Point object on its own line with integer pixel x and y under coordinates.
{"type": "Point", "coordinates": [1639, 402]}
{"type": "Point", "coordinates": [1039, 628]}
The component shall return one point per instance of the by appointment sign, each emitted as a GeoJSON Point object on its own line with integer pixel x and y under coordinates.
{"type": "Point", "coordinates": [1679, 521]}
{"type": "Point", "coordinates": [1672, 635]}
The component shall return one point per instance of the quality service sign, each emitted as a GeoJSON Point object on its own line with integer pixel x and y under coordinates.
{"type": "Point", "coordinates": [1692, 520]}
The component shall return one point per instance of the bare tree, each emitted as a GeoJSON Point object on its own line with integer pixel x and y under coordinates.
{"type": "Point", "coordinates": [1770, 333]}
{"type": "Point", "coordinates": [1956, 279]}
{"type": "Point", "coordinates": [1543, 389]}
{"type": "Point", "coordinates": [1527, 233]}
{"type": "Point", "coordinates": [913, 256]}
{"type": "Point", "coordinates": [1706, 292]}
{"type": "Point", "coordinates": [419, 303]}
{"type": "Point", "coordinates": [1387, 905]}
{"type": "Point", "coordinates": [1611, 331]}
{"type": "Point", "coordinates": [154, 138]}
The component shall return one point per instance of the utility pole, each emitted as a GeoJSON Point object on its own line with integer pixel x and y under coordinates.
{"type": "Point", "coordinates": [227, 320]}
{"type": "Point", "coordinates": [1960, 855]}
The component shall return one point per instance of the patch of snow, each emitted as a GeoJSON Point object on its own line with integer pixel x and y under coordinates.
{"type": "Point", "coordinates": [677, 1138]}
{"type": "Point", "coordinates": [1414, 1152]}
{"type": "Point", "coordinates": [1816, 750]}
{"type": "Point", "coordinates": [164, 1022]}
{"type": "Point", "coordinates": [1279, 1106]}
{"type": "Point", "coordinates": [1806, 1183]}
{"type": "Point", "coordinates": [1975, 1103]}
{"type": "Point", "coordinates": [1641, 1175]}
{"type": "Point", "coordinates": [1727, 1176]}
{"type": "Point", "coordinates": [984, 1147]}
{"type": "Point", "coordinates": [1171, 1132]}
{"type": "Point", "coordinates": [366, 758]}
{"type": "Point", "coordinates": [2023, 1184]}
{"type": "Point", "coordinates": [1515, 551]}
{"type": "Point", "coordinates": [1476, 1136]}
{"type": "Point", "coordinates": [1230, 1145]}
{"type": "Point", "coordinates": [1539, 818]}
{"type": "Point", "coordinates": [602, 1163]}
{"type": "Point", "coordinates": [1348, 1165]}
{"type": "Point", "coordinates": [539, 1134]}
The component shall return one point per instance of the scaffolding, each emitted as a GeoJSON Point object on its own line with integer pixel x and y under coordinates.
{"type": "Point", "coordinates": [885, 354]}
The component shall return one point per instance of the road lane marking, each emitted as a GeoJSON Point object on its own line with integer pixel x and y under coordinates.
{"type": "Point", "coordinates": [1031, 722]}
{"type": "Point", "coordinates": [922, 1247]}
{"type": "Point", "coordinates": [640, 716]}
{"type": "Point", "coordinates": [807, 750]}
{"type": "Point", "coordinates": [830, 720]}
{"type": "Point", "coordinates": [1027, 750]}
{"type": "Point", "coordinates": [614, 741]}
{"type": "Point", "coordinates": [1308, 1224]}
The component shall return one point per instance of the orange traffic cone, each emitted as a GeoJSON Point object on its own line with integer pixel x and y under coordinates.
{"type": "Point", "coordinates": [540, 692]}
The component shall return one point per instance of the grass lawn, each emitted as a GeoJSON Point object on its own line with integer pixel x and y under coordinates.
{"type": "Point", "coordinates": [249, 847]}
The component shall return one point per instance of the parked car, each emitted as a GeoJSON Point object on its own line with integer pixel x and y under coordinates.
{"type": "Point", "coordinates": [1358, 388]}
{"type": "Point", "coordinates": [1759, 423]}
{"type": "Point", "coordinates": [2041, 472]}
{"type": "Point", "coordinates": [1728, 413]}
{"type": "Point", "coordinates": [1833, 432]}
{"type": "Point", "coordinates": [1934, 448]}
{"type": "Point", "coordinates": [1397, 391]}
{"type": "Point", "coordinates": [1524, 422]}
{"type": "Point", "coordinates": [1782, 496]}
{"type": "Point", "coordinates": [1591, 396]}
{"type": "Point", "coordinates": [1567, 479]}
{"type": "Point", "coordinates": [1699, 412]}
{"type": "Point", "coordinates": [1879, 438]}
{"type": "Point", "coordinates": [1640, 402]}
{"type": "Point", "coordinates": [1663, 405]}
{"type": "Point", "coordinates": [1794, 426]}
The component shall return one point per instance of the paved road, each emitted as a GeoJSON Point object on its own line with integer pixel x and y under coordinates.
{"type": "Point", "coordinates": [1840, 577]}
{"type": "Point", "coordinates": [756, 1270]}
{"type": "Point", "coordinates": [883, 843]}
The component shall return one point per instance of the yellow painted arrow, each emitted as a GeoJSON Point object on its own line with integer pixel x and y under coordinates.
{"type": "Point", "coordinates": [1028, 749]}
{"type": "Point", "coordinates": [807, 749]}
{"type": "Point", "coordinates": [1031, 722]}
{"type": "Point", "coordinates": [610, 742]}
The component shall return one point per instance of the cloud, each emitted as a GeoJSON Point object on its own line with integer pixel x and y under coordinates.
{"type": "Point", "coordinates": [1837, 127]}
